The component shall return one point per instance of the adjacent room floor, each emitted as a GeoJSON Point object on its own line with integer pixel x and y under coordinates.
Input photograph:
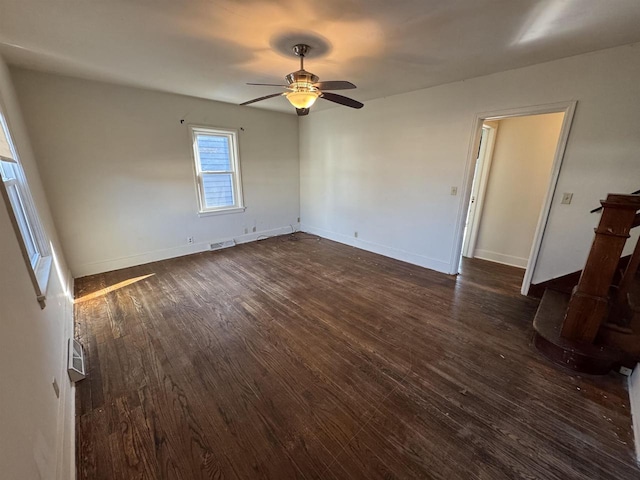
{"type": "Point", "coordinates": [295, 357]}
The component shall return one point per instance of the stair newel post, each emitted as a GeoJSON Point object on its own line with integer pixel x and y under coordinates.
{"type": "Point", "coordinates": [588, 306]}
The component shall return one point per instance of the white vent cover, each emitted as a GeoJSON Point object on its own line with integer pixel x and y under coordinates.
{"type": "Point", "coordinates": [75, 365]}
{"type": "Point", "coordinates": [221, 245]}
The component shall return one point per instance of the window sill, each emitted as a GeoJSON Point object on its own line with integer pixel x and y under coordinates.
{"type": "Point", "coordinates": [43, 273]}
{"type": "Point", "coordinates": [224, 211]}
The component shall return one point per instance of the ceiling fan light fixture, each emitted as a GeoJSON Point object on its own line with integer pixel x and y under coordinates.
{"type": "Point", "coordinates": [304, 88]}
{"type": "Point", "coordinates": [302, 99]}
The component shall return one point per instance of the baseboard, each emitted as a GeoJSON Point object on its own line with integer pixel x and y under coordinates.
{"type": "Point", "coordinates": [391, 252]}
{"type": "Point", "coordinates": [634, 400]}
{"type": "Point", "coordinates": [252, 237]}
{"type": "Point", "coordinates": [501, 258]}
{"type": "Point", "coordinates": [164, 254]}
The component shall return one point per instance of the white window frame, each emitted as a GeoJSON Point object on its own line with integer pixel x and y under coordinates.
{"type": "Point", "coordinates": [32, 238]}
{"type": "Point", "coordinates": [236, 178]}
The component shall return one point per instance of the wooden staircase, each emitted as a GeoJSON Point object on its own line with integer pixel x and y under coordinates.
{"type": "Point", "coordinates": [597, 327]}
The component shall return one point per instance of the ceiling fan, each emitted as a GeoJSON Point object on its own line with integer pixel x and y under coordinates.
{"type": "Point", "coordinates": [304, 88]}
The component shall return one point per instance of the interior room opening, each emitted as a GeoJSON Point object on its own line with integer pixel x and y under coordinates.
{"type": "Point", "coordinates": [511, 180]}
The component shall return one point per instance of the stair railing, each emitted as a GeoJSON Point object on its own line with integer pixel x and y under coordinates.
{"type": "Point", "coordinates": [589, 303]}
{"type": "Point", "coordinates": [619, 314]}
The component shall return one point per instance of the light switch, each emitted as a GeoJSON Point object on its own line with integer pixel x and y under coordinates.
{"type": "Point", "coordinates": [454, 190]}
{"type": "Point", "coordinates": [566, 198]}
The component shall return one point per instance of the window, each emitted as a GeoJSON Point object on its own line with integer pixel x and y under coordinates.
{"type": "Point", "coordinates": [215, 152]}
{"type": "Point", "coordinates": [34, 243]}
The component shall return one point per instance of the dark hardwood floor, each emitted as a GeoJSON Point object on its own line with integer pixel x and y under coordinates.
{"type": "Point", "coordinates": [491, 276]}
{"type": "Point", "coordinates": [309, 359]}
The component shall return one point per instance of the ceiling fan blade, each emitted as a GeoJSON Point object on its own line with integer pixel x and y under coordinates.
{"type": "Point", "coordinates": [334, 85]}
{"type": "Point", "coordinates": [261, 98]}
{"type": "Point", "coordinates": [346, 101]}
{"type": "Point", "coordinates": [302, 111]}
{"type": "Point", "coordinates": [267, 84]}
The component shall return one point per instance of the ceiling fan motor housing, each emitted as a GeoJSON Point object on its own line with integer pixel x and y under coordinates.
{"type": "Point", "coordinates": [302, 77]}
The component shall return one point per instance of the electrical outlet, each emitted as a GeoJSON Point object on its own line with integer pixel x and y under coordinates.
{"type": "Point", "coordinates": [355, 234]}
{"type": "Point", "coordinates": [189, 240]}
{"type": "Point", "coordinates": [246, 230]}
{"type": "Point", "coordinates": [298, 219]}
{"type": "Point", "coordinates": [626, 371]}
{"type": "Point", "coordinates": [254, 228]}
{"type": "Point", "coordinates": [454, 190]}
{"type": "Point", "coordinates": [56, 388]}
{"type": "Point", "coordinates": [566, 198]}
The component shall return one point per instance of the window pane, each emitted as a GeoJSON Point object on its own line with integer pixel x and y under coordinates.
{"type": "Point", "coordinates": [214, 153]}
{"type": "Point", "coordinates": [218, 190]}
{"type": "Point", "coordinates": [7, 169]}
{"type": "Point", "coordinates": [23, 224]}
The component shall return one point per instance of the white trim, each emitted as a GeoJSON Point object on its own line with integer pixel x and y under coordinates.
{"type": "Point", "coordinates": [569, 110]}
{"type": "Point", "coordinates": [222, 211]}
{"type": "Point", "coordinates": [500, 258]}
{"type": "Point", "coordinates": [26, 220]}
{"type": "Point", "coordinates": [483, 180]}
{"type": "Point", "coordinates": [43, 274]}
{"type": "Point", "coordinates": [391, 252]}
{"type": "Point", "coordinates": [634, 401]}
{"type": "Point", "coordinates": [236, 175]}
{"type": "Point", "coordinates": [24, 192]}
{"type": "Point", "coordinates": [172, 252]}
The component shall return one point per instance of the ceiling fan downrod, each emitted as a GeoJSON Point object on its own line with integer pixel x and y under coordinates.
{"type": "Point", "coordinates": [301, 50]}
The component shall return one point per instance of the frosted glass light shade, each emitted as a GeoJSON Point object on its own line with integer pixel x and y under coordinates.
{"type": "Point", "coordinates": [302, 99]}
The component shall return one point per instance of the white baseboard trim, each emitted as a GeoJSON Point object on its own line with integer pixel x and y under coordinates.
{"type": "Point", "coordinates": [252, 237]}
{"type": "Point", "coordinates": [164, 254]}
{"type": "Point", "coordinates": [501, 258]}
{"type": "Point", "coordinates": [391, 252]}
{"type": "Point", "coordinates": [634, 400]}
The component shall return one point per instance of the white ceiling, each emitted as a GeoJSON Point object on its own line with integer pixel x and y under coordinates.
{"type": "Point", "coordinates": [211, 48]}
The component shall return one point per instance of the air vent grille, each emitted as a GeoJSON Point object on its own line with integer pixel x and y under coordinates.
{"type": "Point", "coordinates": [221, 245]}
{"type": "Point", "coordinates": [75, 364]}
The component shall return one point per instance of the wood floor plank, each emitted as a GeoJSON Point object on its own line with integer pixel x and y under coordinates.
{"type": "Point", "coordinates": [297, 357]}
{"type": "Point", "coordinates": [131, 451]}
{"type": "Point", "coordinates": [92, 452]}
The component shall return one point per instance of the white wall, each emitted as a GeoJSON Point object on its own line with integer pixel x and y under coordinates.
{"type": "Point", "coordinates": [386, 170]}
{"type": "Point", "coordinates": [523, 154]}
{"type": "Point", "coordinates": [116, 165]}
{"type": "Point", "coordinates": [36, 428]}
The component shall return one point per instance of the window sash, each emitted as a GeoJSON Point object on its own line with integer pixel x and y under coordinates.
{"type": "Point", "coordinates": [33, 240]}
{"type": "Point", "coordinates": [234, 203]}
{"type": "Point", "coordinates": [24, 226]}
{"type": "Point", "coordinates": [234, 171]}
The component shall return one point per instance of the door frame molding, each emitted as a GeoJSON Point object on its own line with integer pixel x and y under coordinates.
{"type": "Point", "coordinates": [484, 165]}
{"type": "Point", "coordinates": [568, 108]}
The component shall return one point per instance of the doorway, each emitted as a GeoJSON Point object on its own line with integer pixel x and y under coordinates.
{"type": "Point", "coordinates": [512, 171]}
